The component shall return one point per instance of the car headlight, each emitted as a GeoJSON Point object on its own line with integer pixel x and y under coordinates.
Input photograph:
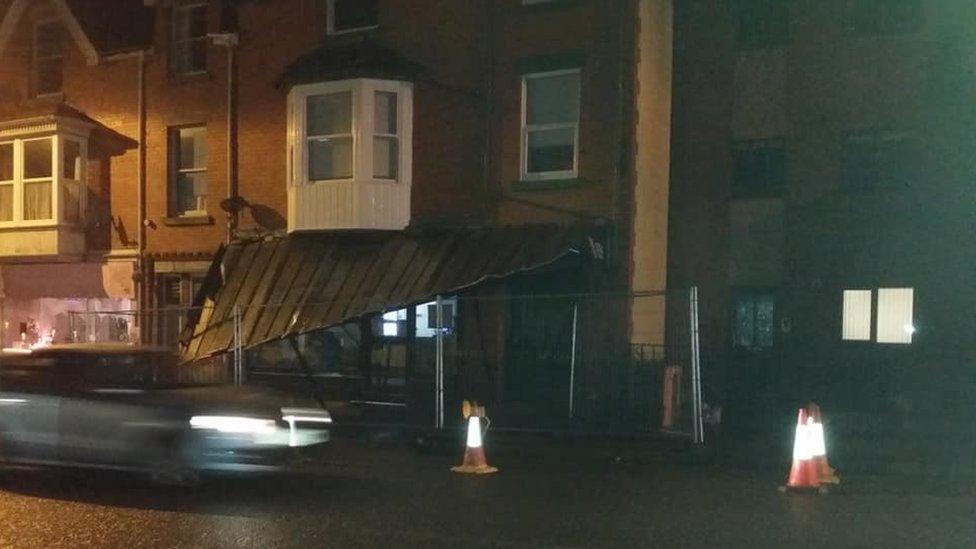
{"type": "Point", "coordinates": [233, 424]}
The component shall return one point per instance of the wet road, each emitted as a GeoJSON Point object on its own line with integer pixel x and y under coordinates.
{"type": "Point", "coordinates": [356, 496]}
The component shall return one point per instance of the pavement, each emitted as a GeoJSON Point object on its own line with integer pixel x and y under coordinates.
{"type": "Point", "coordinates": [377, 492]}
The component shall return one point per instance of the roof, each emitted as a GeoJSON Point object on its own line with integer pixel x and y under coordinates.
{"type": "Point", "coordinates": [17, 116]}
{"type": "Point", "coordinates": [99, 27]}
{"type": "Point", "coordinates": [362, 58]}
{"type": "Point", "coordinates": [309, 281]}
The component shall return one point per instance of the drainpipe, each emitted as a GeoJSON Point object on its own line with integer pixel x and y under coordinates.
{"type": "Point", "coordinates": [229, 40]}
{"type": "Point", "coordinates": [142, 301]}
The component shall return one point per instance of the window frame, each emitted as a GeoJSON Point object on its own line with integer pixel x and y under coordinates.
{"type": "Point", "coordinates": [176, 43]}
{"type": "Point", "coordinates": [36, 59]}
{"type": "Point", "coordinates": [363, 125]}
{"type": "Point", "coordinates": [56, 179]}
{"type": "Point", "coordinates": [573, 173]}
{"type": "Point", "coordinates": [330, 9]}
{"type": "Point", "coordinates": [353, 134]}
{"type": "Point", "coordinates": [175, 170]}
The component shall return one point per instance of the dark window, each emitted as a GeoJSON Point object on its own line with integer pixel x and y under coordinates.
{"type": "Point", "coordinates": [884, 16]}
{"type": "Point", "coordinates": [762, 24]}
{"type": "Point", "coordinates": [879, 159]}
{"type": "Point", "coordinates": [752, 323]}
{"type": "Point", "coordinates": [759, 169]}
{"type": "Point", "coordinates": [189, 51]}
{"type": "Point", "coordinates": [350, 15]}
{"type": "Point", "coordinates": [47, 72]}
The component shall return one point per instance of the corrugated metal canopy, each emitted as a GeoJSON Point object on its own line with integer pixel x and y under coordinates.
{"type": "Point", "coordinates": [309, 281]}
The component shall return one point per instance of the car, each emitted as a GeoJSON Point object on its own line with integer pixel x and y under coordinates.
{"type": "Point", "coordinates": [137, 408]}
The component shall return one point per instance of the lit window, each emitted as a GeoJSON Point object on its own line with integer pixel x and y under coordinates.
{"type": "Point", "coordinates": [857, 315]}
{"type": "Point", "coordinates": [550, 124]}
{"type": "Point", "coordinates": [753, 323]}
{"type": "Point", "coordinates": [188, 158]}
{"type": "Point", "coordinates": [328, 119]}
{"type": "Point", "coordinates": [30, 173]}
{"type": "Point", "coordinates": [72, 179]}
{"type": "Point", "coordinates": [189, 48]}
{"type": "Point", "coordinates": [392, 322]}
{"type": "Point", "coordinates": [47, 62]}
{"type": "Point", "coordinates": [352, 15]}
{"type": "Point", "coordinates": [38, 183]}
{"type": "Point", "coordinates": [7, 181]}
{"type": "Point", "coordinates": [895, 315]}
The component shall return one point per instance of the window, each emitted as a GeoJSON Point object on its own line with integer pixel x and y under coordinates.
{"type": "Point", "coordinates": [879, 159]}
{"type": "Point", "coordinates": [895, 315]}
{"type": "Point", "coordinates": [71, 180]}
{"type": "Point", "coordinates": [762, 24]}
{"type": "Point", "coordinates": [351, 130]}
{"type": "Point", "coordinates": [352, 15]}
{"type": "Point", "coordinates": [188, 189]}
{"type": "Point", "coordinates": [30, 174]}
{"type": "Point", "coordinates": [874, 17]}
{"type": "Point", "coordinates": [550, 124]}
{"type": "Point", "coordinates": [189, 51]}
{"type": "Point", "coordinates": [38, 179]}
{"type": "Point", "coordinates": [46, 70]}
{"type": "Point", "coordinates": [6, 182]}
{"type": "Point", "coordinates": [895, 311]}
{"type": "Point", "coordinates": [385, 140]}
{"type": "Point", "coordinates": [857, 315]}
{"type": "Point", "coordinates": [329, 136]}
{"type": "Point", "coordinates": [753, 321]}
{"type": "Point", "coordinates": [759, 169]}
{"type": "Point", "coordinates": [394, 323]}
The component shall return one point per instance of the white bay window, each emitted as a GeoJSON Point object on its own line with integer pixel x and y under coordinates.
{"type": "Point", "coordinates": [41, 180]}
{"type": "Point", "coordinates": [350, 145]}
{"type": "Point", "coordinates": [42, 189]}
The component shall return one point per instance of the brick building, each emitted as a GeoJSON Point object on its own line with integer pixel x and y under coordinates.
{"type": "Point", "coordinates": [137, 137]}
{"type": "Point", "coordinates": [821, 161]}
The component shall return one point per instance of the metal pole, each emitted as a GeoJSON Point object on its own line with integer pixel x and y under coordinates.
{"type": "Point", "coordinates": [237, 345]}
{"type": "Point", "coordinates": [696, 399]}
{"type": "Point", "coordinates": [572, 361]}
{"type": "Point", "coordinates": [439, 368]}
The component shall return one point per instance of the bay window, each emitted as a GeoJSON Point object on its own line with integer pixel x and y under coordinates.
{"type": "Point", "coordinates": [42, 180]}
{"type": "Point", "coordinates": [350, 154]}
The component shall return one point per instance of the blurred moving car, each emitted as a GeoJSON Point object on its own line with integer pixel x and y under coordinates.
{"type": "Point", "coordinates": [133, 408]}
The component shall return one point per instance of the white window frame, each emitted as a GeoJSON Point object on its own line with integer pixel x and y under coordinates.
{"type": "Point", "coordinates": [524, 159]}
{"type": "Point", "coordinates": [56, 179]}
{"type": "Point", "coordinates": [175, 151]}
{"type": "Point", "coordinates": [363, 98]}
{"type": "Point", "coordinates": [330, 18]}
{"type": "Point", "coordinates": [175, 43]}
{"type": "Point", "coordinates": [36, 59]}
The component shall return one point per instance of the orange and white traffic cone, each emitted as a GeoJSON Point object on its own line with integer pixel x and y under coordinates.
{"type": "Point", "coordinates": [474, 453]}
{"type": "Point", "coordinates": [803, 472]}
{"type": "Point", "coordinates": [826, 473]}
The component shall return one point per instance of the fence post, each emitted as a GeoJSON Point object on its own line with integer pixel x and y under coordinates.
{"type": "Point", "coordinates": [439, 368]}
{"type": "Point", "coordinates": [572, 362]}
{"type": "Point", "coordinates": [238, 365]}
{"type": "Point", "coordinates": [698, 434]}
